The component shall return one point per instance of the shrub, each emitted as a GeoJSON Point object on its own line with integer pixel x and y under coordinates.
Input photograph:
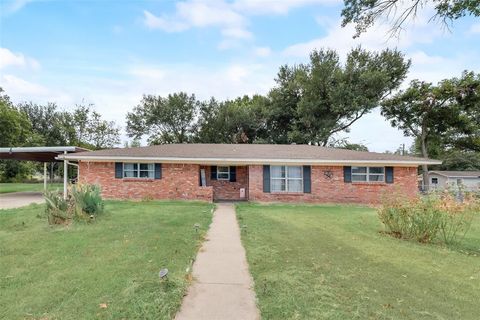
{"type": "Point", "coordinates": [87, 201]}
{"type": "Point", "coordinates": [57, 209]}
{"type": "Point", "coordinates": [436, 216]}
{"type": "Point", "coordinates": [84, 203]}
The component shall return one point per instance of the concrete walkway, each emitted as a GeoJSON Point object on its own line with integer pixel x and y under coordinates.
{"type": "Point", "coordinates": [223, 287]}
{"type": "Point", "coordinates": [19, 199]}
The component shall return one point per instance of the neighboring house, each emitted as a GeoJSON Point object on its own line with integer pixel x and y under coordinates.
{"type": "Point", "coordinates": [256, 172]}
{"type": "Point", "coordinates": [469, 180]}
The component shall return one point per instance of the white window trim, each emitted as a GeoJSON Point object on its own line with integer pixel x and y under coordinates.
{"type": "Point", "coordinates": [137, 172]}
{"type": "Point", "coordinates": [286, 180]}
{"type": "Point", "coordinates": [223, 172]}
{"type": "Point", "coordinates": [368, 174]}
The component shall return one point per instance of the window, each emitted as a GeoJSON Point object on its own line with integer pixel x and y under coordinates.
{"type": "Point", "coordinates": [223, 173]}
{"type": "Point", "coordinates": [434, 180]}
{"type": "Point", "coordinates": [139, 170]}
{"type": "Point", "coordinates": [286, 179]}
{"type": "Point", "coordinates": [368, 174]}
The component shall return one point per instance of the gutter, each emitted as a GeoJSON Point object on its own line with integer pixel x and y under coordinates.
{"type": "Point", "coordinates": [245, 161]}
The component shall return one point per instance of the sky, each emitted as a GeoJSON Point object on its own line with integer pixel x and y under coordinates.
{"type": "Point", "coordinates": [109, 53]}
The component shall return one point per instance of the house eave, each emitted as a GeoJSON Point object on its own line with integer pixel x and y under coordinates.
{"type": "Point", "coordinates": [247, 161]}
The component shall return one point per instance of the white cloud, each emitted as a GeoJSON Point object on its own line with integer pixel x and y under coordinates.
{"type": "Point", "coordinates": [225, 81]}
{"type": "Point", "coordinates": [434, 68]}
{"type": "Point", "coordinates": [361, 132]}
{"type": "Point", "coordinates": [147, 72]}
{"type": "Point", "coordinates": [164, 23]}
{"type": "Point", "coordinates": [475, 28]}
{"type": "Point", "coordinates": [236, 32]}
{"type": "Point", "coordinates": [113, 98]}
{"type": "Point", "coordinates": [189, 14]}
{"type": "Point", "coordinates": [259, 7]}
{"type": "Point", "coordinates": [11, 59]}
{"type": "Point", "coordinates": [14, 85]}
{"type": "Point", "coordinates": [376, 38]}
{"type": "Point", "coordinates": [22, 90]}
{"type": "Point", "coordinates": [16, 5]}
{"type": "Point", "coordinates": [197, 14]}
{"type": "Point", "coordinates": [420, 30]}
{"type": "Point", "coordinates": [420, 57]}
{"type": "Point", "coordinates": [262, 51]}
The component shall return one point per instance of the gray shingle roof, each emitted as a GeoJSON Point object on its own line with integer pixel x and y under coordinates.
{"type": "Point", "coordinates": [455, 174]}
{"type": "Point", "coordinates": [245, 153]}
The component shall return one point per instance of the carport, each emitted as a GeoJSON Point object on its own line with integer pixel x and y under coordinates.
{"type": "Point", "coordinates": [45, 155]}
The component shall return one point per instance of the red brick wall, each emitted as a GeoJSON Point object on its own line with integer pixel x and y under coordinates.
{"type": "Point", "coordinates": [179, 181]}
{"type": "Point", "coordinates": [226, 190]}
{"type": "Point", "coordinates": [335, 190]}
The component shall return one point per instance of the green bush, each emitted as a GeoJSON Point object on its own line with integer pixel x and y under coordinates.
{"type": "Point", "coordinates": [84, 203]}
{"type": "Point", "coordinates": [436, 216]}
{"type": "Point", "coordinates": [57, 209]}
{"type": "Point", "coordinates": [87, 200]}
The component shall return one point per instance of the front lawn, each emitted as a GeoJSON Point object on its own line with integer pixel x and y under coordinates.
{"type": "Point", "coordinates": [331, 262]}
{"type": "Point", "coordinates": [105, 270]}
{"type": "Point", "coordinates": [20, 187]}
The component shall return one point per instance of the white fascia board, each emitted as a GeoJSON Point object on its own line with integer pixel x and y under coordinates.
{"type": "Point", "coordinates": [241, 161]}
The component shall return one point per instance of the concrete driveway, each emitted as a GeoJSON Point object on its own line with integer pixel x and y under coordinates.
{"type": "Point", "coordinates": [19, 199]}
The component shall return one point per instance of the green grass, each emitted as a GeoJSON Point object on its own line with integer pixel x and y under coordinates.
{"type": "Point", "coordinates": [20, 187]}
{"type": "Point", "coordinates": [67, 272]}
{"type": "Point", "coordinates": [331, 262]}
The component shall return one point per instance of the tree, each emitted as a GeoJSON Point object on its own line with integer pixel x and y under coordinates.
{"type": "Point", "coordinates": [422, 111]}
{"type": "Point", "coordinates": [102, 133]}
{"type": "Point", "coordinates": [47, 122]}
{"type": "Point", "coordinates": [462, 136]}
{"type": "Point", "coordinates": [232, 121]}
{"type": "Point", "coordinates": [314, 101]}
{"type": "Point", "coordinates": [15, 131]}
{"type": "Point", "coordinates": [460, 160]}
{"type": "Point", "coordinates": [465, 97]}
{"type": "Point", "coordinates": [164, 120]}
{"type": "Point", "coordinates": [135, 143]}
{"type": "Point", "coordinates": [15, 128]}
{"type": "Point", "coordinates": [344, 144]}
{"type": "Point", "coordinates": [81, 127]}
{"type": "Point", "coordinates": [364, 13]}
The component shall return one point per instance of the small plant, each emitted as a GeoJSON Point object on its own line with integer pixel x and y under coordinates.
{"type": "Point", "coordinates": [84, 203]}
{"type": "Point", "coordinates": [436, 216]}
{"type": "Point", "coordinates": [87, 201]}
{"type": "Point", "coordinates": [57, 209]}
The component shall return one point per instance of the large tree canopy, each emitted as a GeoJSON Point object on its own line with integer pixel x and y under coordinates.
{"type": "Point", "coordinates": [233, 121]}
{"type": "Point", "coordinates": [442, 118]}
{"type": "Point", "coordinates": [164, 120]}
{"type": "Point", "coordinates": [82, 127]}
{"type": "Point", "coordinates": [364, 13]}
{"type": "Point", "coordinates": [313, 101]}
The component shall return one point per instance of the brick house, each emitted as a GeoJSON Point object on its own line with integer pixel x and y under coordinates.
{"type": "Point", "coordinates": [255, 172]}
